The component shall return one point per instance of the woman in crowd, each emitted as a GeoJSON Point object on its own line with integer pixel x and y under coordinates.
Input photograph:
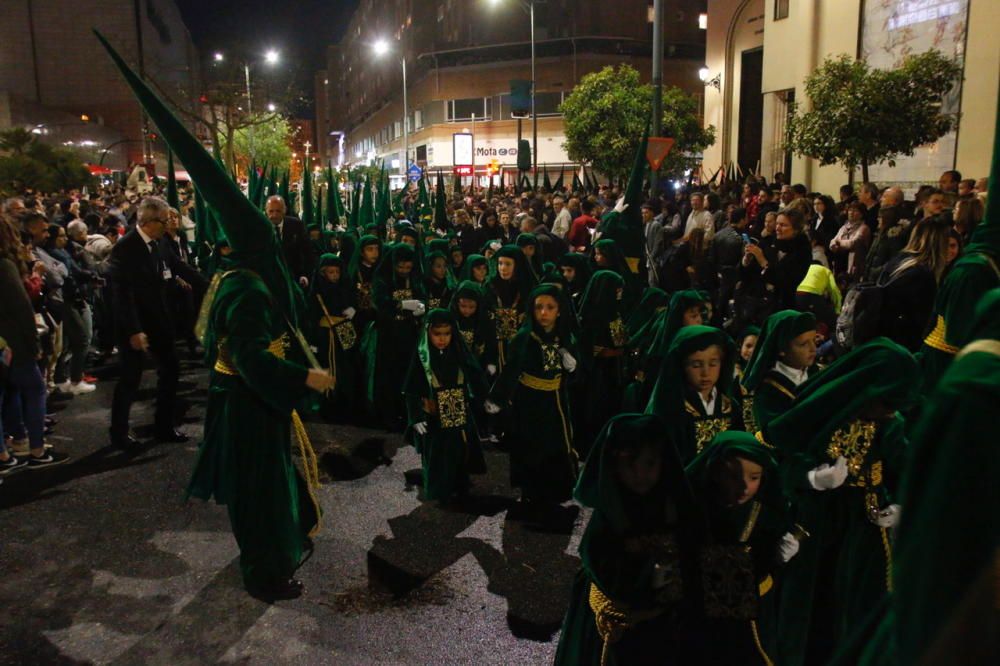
{"type": "Point", "coordinates": [850, 245]}
{"type": "Point", "coordinates": [781, 266]}
{"type": "Point", "coordinates": [910, 282]}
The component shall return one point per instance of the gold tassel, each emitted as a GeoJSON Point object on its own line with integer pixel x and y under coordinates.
{"type": "Point", "coordinates": [310, 467]}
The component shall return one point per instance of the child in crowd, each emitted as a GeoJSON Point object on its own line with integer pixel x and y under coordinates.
{"type": "Point", "coordinates": [784, 358]}
{"type": "Point", "coordinates": [633, 601]}
{"type": "Point", "coordinates": [691, 394]}
{"type": "Point", "coordinates": [331, 313]}
{"type": "Point", "coordinates": [532, 387]}
{"type": "Point", "coordinates": [442, 385]}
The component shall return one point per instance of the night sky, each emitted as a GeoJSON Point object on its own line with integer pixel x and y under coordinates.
{"type": "Point", "coordinates": [299, 29]}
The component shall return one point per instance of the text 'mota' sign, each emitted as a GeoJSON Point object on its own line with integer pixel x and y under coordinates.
{"type": "Point", "coordinates": [657, 149]}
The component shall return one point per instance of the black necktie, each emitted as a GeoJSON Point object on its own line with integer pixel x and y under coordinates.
{"type": "Point", "coordinates": [155, 255]}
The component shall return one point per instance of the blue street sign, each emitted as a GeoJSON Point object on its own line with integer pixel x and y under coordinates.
{"type": "Point", "coordinates": [414, 172]}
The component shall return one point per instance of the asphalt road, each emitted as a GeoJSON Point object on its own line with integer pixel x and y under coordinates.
{"type": "Point", "coordinates": [103, 562]}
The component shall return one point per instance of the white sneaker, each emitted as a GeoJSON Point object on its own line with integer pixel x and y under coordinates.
{"type": "Point", "coordinates": [81, 387]}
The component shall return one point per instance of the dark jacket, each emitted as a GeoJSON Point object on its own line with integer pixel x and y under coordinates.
{"type": "Point", "coordinates": [296, 248]}
{"type": "Point", "coordinates": [907, 303]}
{"type": "Point", "coordinates": [139, 289]}
{"type": "Point", "coordinates": [17, 317]}
{"type": "Point", "coordinates": [788, 264]}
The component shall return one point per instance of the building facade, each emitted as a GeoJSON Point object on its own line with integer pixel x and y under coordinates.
{"type": "Point", "coordinates": [460, 59]}
{"type": "Point", "coordinates": [55, 74]}
{"type": "Point", "coordinates": [763, 50]}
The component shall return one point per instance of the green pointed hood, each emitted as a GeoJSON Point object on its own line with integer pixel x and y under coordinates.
{"type": "Point", "coordinates": [626, 227]}
{"type": "Point", "coordinates": [577, 185]}
{"type": "Point", "coordinates": [308, 203]}
{"type": "Point", "coordinates": [655, 338]}
{"type": "Point", "coordinates": [779, 330]}
{"type": "Point", "coordinates": [248, 231]}
{"type": "Point", "coordinates": [558, 186]}
{"type": "Point", "coordinates": [440, 204]}
{"type": "Point", "coordinates": [173, 199]}
{"type": "Point", "coordinates": [546, 183]}
{"type": "Point", "coordinates": [366, 216]}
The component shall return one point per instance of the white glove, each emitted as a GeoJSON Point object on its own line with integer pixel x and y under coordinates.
{"type": "Point", "coordinates": [411, 304]}
{"type": "Point", "coordinates": [349, 313]}
{"type": "Point", "coordinates": [421, 310]}
{"type": "Point", "coordinates": [491, 369]}
{"type": "Point", "coordinates": [620, 205]}
{"type": "Point", "coordinates": [568, 362]}
{"type": "Point", "coordinates": [491, 407]}
{"type": "Point", "coordinates": [304, 281]}
{"type": "Point", "coordinates": [421, 427]}
{"type": "Point", "coordinates": [888, 517]}
{"type": "Point", "coordinates": [825, 477]}
{"type": "Point", "coordinates": [788, 548]}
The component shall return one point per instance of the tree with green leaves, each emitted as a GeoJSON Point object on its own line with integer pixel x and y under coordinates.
{"type": "Point", "coordinates": [605, 116]}
{"type": "Point", "coordinates": [26, 162]}
{"type": "Point", "coordinates": [265, 142]}
{"type": "Point", "coordinates": [861, 116]}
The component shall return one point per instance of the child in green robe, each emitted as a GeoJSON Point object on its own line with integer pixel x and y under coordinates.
{"type": "Point", "coordinates": [398, 295]}
{"type": "Point", "coordinates": [361, 272]}
{"type": "Point", "coordinates": [438, 281]}
{"type": "Point", "coordinates": [652, 341]}
{"type": "Point", "coordinates": [843, 445]}
{"type": "Point", "coordinates": [476, 269]}
{"type": "Point", "coordinates": [506, 293]}
{"type": "Point", "coordinates": [532, 388]}
{"type": "Point", "coordinates": [468, 305]}
{"type": "Point", "coordinates": [532, 254]}
{"type": "Point", "coordinates": [331, 312]}
{"type": "Point", "coordinates": [735, 482]}
{"type": "Point", "coordinates": [576, 270]}
{"type": "Point", "coordinates": [608, 255]}
{"type": "Point", "coordinates": [441, 386]}
{"type": "Point", "coordinates": [598, 395]}
{"type": "Point", "coordinates": [634, 595]}
{"type": "Point", "coordinates": [692, 392]}
{"type": "Point", "coordinates": [784, 358]}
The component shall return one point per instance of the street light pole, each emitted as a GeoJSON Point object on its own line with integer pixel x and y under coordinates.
{"type": "Point", "coordinates": [657, 79]}
{"type": "Point", "coordinates": [246, 70]}
{"type": "Point", "coordinates": [406, 124]}
{"type": "Point", "coordinates": [534, 116]}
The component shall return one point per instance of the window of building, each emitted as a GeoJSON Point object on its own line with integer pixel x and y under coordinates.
{"type": "Point", "coordinates": [463, 109]}
{"type": "Point", "coordinates": [422, 153]}
{"type": "Point", "coordinates": [418, 119]}
{"type": "Point", "coordinates": [398, 125]}
{"type": "Point", "coordinates": [780, 9]}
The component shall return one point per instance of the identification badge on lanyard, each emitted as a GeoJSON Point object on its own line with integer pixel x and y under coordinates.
{"type": "Point", "coordinates": [167, 275]}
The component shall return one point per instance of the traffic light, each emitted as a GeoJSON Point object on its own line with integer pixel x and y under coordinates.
{"type": "Point", "coordinates": [520, 99]}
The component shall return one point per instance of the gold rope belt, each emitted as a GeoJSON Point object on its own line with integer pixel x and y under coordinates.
{"type": "Point", "coordinates": [310, 463]}
{"type": "Point", "coordinates": [936, 338]}
{"type": "Point", "coordinates": [539, 384]}
{"type": "Point", "coordinates": [614, 619]}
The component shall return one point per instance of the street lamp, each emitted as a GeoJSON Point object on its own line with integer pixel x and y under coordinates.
{"type": "Point", "coordinates": [381, 47]}
{"type": "Point", "coordinates": [271, 107]}
{"type": "Point", "coordinates": [529, 6]}
{"type": "Point", "coordinates": [271, 57]}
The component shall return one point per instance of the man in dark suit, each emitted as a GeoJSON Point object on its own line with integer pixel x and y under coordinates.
{"type": "Point", "coordinates": [140, 275]}
{"type": "Point", "coordinates": [294, 239]}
